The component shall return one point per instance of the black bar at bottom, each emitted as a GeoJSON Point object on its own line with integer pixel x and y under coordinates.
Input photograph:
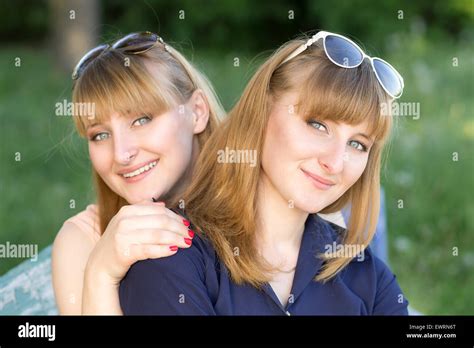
{"type": "Point", "coordinates": [419, 330]}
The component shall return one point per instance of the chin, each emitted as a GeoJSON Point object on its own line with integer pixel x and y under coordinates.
{"type": "Point", "coordinates": [139, 194]}
{"type": "Point", "coordinates": [311, 209]}
{"type": "Point", "coordinates": [133, 198]}
{"type": "Point", "coordinates": [307, 206]}
{"type": "Point", "coordinates": [310, 203]}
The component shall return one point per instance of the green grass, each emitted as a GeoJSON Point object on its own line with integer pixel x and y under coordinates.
{"type": "Point", "coordinates": [36, 191]}
{"type": "Point", "coordinates": [438, 211]}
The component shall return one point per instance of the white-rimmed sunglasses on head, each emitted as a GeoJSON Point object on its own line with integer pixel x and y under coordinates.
{"type": "Point", "coordinates": [347, 54]}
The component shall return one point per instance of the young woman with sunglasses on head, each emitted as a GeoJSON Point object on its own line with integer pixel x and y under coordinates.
{"type": "Point", "coordinates": [153, 113]}
{"type": "Point", "coordinates": [312, 112]}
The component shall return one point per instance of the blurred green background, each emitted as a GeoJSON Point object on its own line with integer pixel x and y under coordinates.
{"type": "Point", "coordinates": [429, 42]}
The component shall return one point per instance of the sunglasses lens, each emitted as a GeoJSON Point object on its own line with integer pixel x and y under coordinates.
{"type": "Point", "coordinates": [136, 42]}
{"type": "Point", "coordinates": [91, 55]}
{"type": "Point", "coordinates": [342, 52]}
{"type": "Point", "coordinates": [388, 78]}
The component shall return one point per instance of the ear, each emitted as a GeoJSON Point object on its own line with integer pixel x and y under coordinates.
{"type": "Point", "coordinates": [200, 111]}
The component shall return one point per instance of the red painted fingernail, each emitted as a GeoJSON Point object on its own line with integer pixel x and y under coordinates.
{"type": "Point", "coordinates": [186, 223]}
{"type": "Point", "coordinates": [191, 233]}
{"type": "Point", "coordinates": [173, 248]}
{"type": "Point", "coordinates": [188, 241]}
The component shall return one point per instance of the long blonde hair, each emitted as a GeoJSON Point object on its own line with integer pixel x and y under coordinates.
{"type": "Point", "coordinates": [118, 82]}
{"type": "Point", "coordinates": [222, 200]}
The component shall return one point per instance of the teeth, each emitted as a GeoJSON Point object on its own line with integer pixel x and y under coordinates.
{"type": "Point", "coordinates": [140, 170]}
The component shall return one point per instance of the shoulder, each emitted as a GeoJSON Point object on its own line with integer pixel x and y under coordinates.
{"type": "Point", "coordinates": [368, 277]}
{"type": "Point", "coordinates": [87, 222]}
{"type": "Point", "coordinates": [178, 284]}
{"type": "Point", "coordinates": [372, 280]}
{"type": "Point", "coordinates": [78, 233]}
{"type": "Point", "coordinates": [80, 230]}
{"type": "Point", "coordinates": [71, 249]}
{"type": "Point", "coordinates": [189, 262]}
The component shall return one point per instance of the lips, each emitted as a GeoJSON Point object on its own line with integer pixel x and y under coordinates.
{"type": "Point", "coordinates": [319, 181]}
{"type": "Point", "coordinates": [138, 169]}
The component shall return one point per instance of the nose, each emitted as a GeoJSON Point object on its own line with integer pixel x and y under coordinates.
{"type": "Point", "coordinates": [125, 148]}
{"type": "Point", "coordinates": [333, 157]}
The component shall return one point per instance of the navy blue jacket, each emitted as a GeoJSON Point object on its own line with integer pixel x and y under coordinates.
{"type": "Point", "coordinates": [195, 282]}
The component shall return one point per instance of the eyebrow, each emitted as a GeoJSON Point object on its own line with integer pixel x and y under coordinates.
{"type": "Point", "coordinates": [92, 125]}
{"type": "Point", "coordinates": [128, 114]}
{"type": "Point", "coordinates": [361, 134]}
{"type": "Point", "coordinates": [365, 136]}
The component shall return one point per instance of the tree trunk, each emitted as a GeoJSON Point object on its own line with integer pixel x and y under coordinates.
{"type": "Point", "coordinates": [75, 30]}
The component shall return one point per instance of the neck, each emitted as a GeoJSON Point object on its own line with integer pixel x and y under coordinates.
{"type": "Point", "coordinates": [280, 225]}
{"type": "Point", "coordinates": [177, 192]}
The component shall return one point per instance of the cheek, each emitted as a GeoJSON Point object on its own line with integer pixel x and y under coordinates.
{"type": "Point", "coordinates": [172, 138]}
{"type": "Point", "coordinates": [286, 143]}
{"type": "Point", "coordinates": [101, 158]}
{"type": "Point", "coordinates": [353, 169]}
{"type": "Point", "coordinates": [274, 155]}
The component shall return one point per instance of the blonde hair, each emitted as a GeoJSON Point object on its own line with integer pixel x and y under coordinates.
{"type": "Point", "coordinates": [222, 200]}
{"type": "Point", "coordinates": [120, 82]}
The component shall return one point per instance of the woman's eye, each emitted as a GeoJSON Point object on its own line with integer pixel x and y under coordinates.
{"type": "Point", "coordinates": [141, 121]}
{"type": "Point", "coordinates": [318, 126]}
{"type": "Point", "coordinates": [100, 136]}
{"type": "Point", "coordinates": [358, 146]}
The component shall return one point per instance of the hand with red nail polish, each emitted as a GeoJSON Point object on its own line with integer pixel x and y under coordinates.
{"type": "Point", "coordinates": [146, 230]}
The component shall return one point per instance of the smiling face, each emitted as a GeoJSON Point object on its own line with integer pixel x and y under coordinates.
{"type": "Point", "coordinates": [143, 139]}
{"type": "Point", "coordinates": [311, 162]}
{"type": "Point", "coordinates": [142, 156]}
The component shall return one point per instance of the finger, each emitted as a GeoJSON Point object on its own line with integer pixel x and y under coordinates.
{"type": "Point", "coordinates": [142, 208]}
{"type": "Point", "coordinates": [151, 251]}
{"type": "Point", "coordinates": [149, 208]}
{"type": "Point", "coordinates": [158, 236]}
{"type": "Point", "coordinates": [175, 216]}
{"type": "Point", "coordinates": [156, 221]}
